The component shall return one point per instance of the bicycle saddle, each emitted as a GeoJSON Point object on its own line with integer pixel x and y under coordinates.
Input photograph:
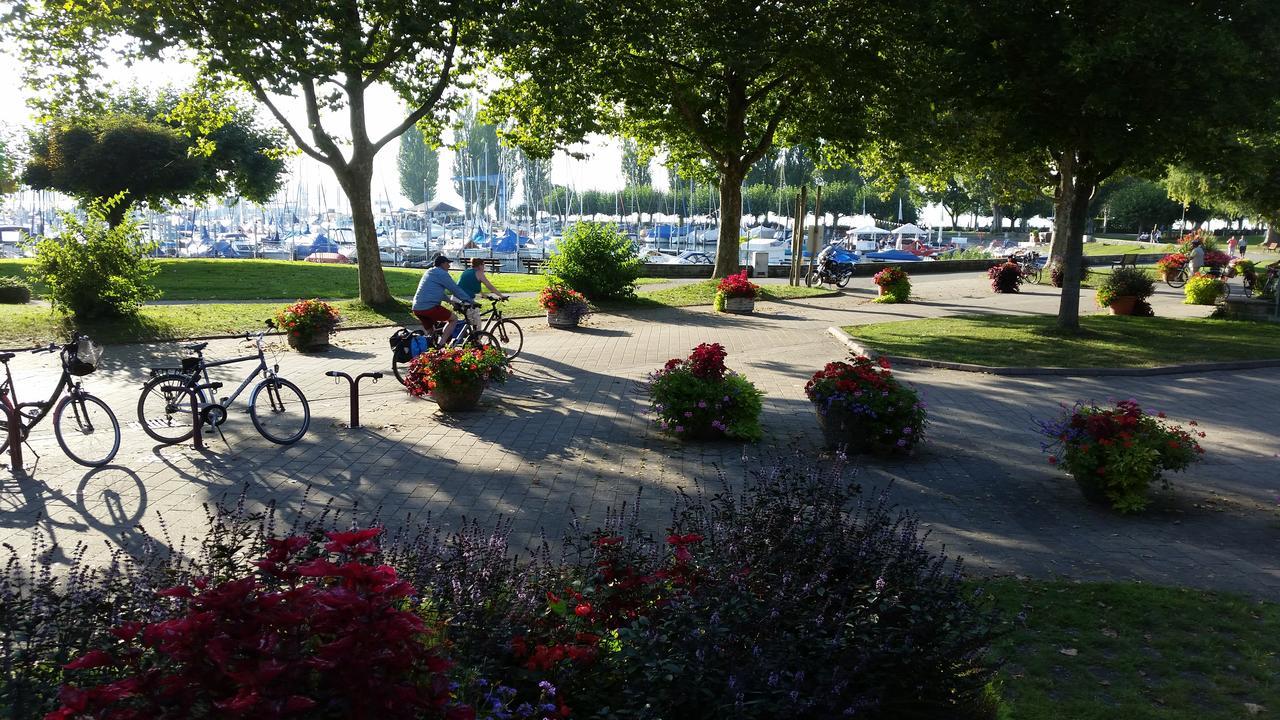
{"type": "Point", "coordinates": [6, 357]}
{"type": "Point", "coordinates": [196, 347]}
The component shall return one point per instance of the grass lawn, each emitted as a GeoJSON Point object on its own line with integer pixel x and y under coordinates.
{"type": "Point", "coordinates": [1106, 248]}
{"type": "Point", "coordinates": [1101, 651]}
{"type": "Point", "coordinates": [31, 325]}
{"type": "Point", "coordinates": [1104, 340]}
{"type": "Point", "coordinates": [196, 279]}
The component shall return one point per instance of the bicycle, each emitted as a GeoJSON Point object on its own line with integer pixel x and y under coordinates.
{"type": "Point", "coordinates": [82, 433]}
{"type": "Point", "coordinates": [1178, 278]}
{"type": "Point", "coordinates": [1029, 265]}
{"type": "Point", "coordinates": [164, 408]}
{"type": "Point", "coordinates": [470, 334]}
{"type": "Point", "coordinates": [507, 332]}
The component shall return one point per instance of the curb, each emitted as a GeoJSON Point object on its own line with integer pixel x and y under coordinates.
{"type": "Point", "coordinates": [860, 349]}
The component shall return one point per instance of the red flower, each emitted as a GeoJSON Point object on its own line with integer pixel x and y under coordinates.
{"type": "Point", "coordinates": [91, 659]}
{"type": "Point", "coordinates": [583, 610]}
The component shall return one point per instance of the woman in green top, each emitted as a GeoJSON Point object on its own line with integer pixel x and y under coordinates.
{"type": "Point", "coordinates": [474, 276]}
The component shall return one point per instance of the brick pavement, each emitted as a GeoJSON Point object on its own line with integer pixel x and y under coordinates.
{"type": "Point", "coordinates": [569, 433]}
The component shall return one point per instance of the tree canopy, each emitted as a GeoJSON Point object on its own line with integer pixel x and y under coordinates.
{"type": "Point", "coordinates": [715, 84]}
{"type": "Point", "coordinates": [419, 166]}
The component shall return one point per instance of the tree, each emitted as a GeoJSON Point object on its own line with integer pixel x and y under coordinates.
{"type": "Point", "coordinates": [745, 75]}
{"type": "Point", "coordinates": [1091, 86]}
{"type": "Point", "coordinates": [8, 165]}
{"type": "Point", "coordinates": [475, 161]}
{"type": "Point", "coordinates": [147, 157]}
{"type": "Point", "coordinates": [419, 165]}
{"type": "Point", "coordinates": [536, 176]}
{"type": "Point", "coordinates": [1135, 204]}
{"type": "Point", "coordinates": [328, 54]}
{"type": "Point", "coordinates": [635, 165]}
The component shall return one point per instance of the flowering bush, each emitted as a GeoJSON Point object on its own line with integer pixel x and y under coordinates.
{"type": "Point", "coordinates": [738, 286]}
{"type": "Point", "coordinates": [1172, 262]}
{"type": "Point", "coordinates": [1244, 267]}
{"type": "Point", "coordinates": [455, 366]}
{"type": "Point", "coordinates": [1207, 240]}
{"type": "Point", "coordinates": [1126, 282]}
{"type": "Point", "coordinates": [557, 297]}
{"type": "Point", "coordinates": [894, 284]}
{"type": "Point", "coordinates": [320, 631]}
{"type": "Point", "coordinates": [889, 414]}
{"type": "Point", "coordinates": [1203, 289]}
{"type": "Point", "coordinates": [1115, 453]}
{"type": "Point", "coordinates": [1216, 258]}
{"type": "Point", "coordinates": [699, 397]}
{"type": "Point", "coordinates": [1005, 278]}
{"type": "Point", "coordinates": [308, 319]}
{"type": "Point", "coordinates": [1057, 272]}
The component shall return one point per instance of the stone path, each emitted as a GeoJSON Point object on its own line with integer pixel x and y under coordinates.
{"type": "Point", "coordinates": [569, 433]}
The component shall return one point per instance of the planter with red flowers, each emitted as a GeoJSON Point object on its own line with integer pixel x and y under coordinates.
{"type": "Point", "coordinates": [1170, 265]}
{"type": "Point", "coordinates": [456, 377]}
{"type": "Point", "coordinates": [736, 294]}
{"type": "Point", "coordinates": [698, 398]}
{"type": "Point", "coordinates": [564, 305]}
{"type": "Point", "coordinates": [862, 407]}
{"type": "Point", "coordinates": [308, 324]}
{"type": "Point", "coordinates": [1116, 453]}
{"type": "Point", "coordinates": [894, 285]}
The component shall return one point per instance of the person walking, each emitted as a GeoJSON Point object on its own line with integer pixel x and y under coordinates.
{"type": "Point", "coordinates": [1244, 245]}
{"type": "Point", "coordinates": [1232, 245]}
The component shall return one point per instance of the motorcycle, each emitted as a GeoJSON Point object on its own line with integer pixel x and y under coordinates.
{"type": "Point", "coordinates": [834, 268]}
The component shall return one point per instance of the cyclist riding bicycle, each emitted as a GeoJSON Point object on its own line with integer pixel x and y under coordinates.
{"type": "Point", "coordinates": [473, 277]}
{"type": "Point", "coordinates": [435, 286]}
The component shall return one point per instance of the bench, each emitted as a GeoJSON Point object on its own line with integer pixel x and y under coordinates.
{"type": "Point", "coordinates": [493, 265]}
{"type": "Point", "coordinates": [1126, 260]}
{"type": "Point", "coordinates": [534, 266]}
{"type": "Point", "coordinates": [1272, 246]}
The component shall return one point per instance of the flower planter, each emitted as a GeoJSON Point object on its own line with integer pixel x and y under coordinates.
{"type": "Point", "coordinates": [1124, 305]}
{"type": "Point", "coordinates": [460, 397]}
{"type": "Point", "coordinates": [308, 343]}
{"type": "Point", "coordinates": [1093, 492]}
{"type": "Point", "coordinates": [563, 318]}
{"type": "Point", "coordinates": [843, 429]}
{"type": "Point", "coordinates": [1171, 274]}
{"type": "Point", "coordinates": [882, 290]}
{"type": "Point", "coordinates": [739, 305]}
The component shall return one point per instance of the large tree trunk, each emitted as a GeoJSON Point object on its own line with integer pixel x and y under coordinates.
{"type": "Point", "coordinates": [997, 219]}
{"type": "Point", "coordinates": [1071, 208]}
{"type": "Point", "coordinates": [727, 260]}
{"type": "Point", "coordinates": [357, 182]}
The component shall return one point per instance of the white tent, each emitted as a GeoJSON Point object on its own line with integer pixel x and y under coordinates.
{"type": "Point", "coordinates": [910, 230]}
{"type": "Point", "coordinates": [868, 230]}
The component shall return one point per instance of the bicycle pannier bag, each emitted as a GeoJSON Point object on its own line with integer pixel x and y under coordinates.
{"type": "Point", "coordinates": [400, 346]}
{"type": "Point", "coordinates": [418, 344]}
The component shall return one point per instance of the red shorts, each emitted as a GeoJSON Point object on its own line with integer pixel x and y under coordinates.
{"type": "Point", "coordinates": [433, 315]}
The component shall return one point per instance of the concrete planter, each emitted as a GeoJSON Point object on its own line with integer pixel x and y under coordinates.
{"type": "Point", "coordinates": [740, 305]}
{"type": "Point", "coordinates": [564, 319]}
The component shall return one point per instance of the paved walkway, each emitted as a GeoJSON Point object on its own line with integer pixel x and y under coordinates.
{"type": "Point", "coordinates": [569, 433]}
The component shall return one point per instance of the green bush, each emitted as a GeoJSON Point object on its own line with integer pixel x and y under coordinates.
{"type": "Point", "coordinates": [13, 291]}
{"type": "Point", "coordinates": [1125, 282]}
{"type": "Point", "coordinates": [1203, 289]}
{"type": "Point", "coordinates": [597, 261]}
{"type": "Point", "coordinates": [93, 269]}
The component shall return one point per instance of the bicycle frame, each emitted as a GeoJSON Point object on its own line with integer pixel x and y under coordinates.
{"type": "Point", "coordinates": [202, 371]}
{"type": "Point", "coordinates": [9, 395]}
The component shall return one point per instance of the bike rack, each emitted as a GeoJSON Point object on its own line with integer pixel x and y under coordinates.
{"type": "Point", "coordinates": [15, 438]}
{"type": "Point", "coordinates": [354, 384]}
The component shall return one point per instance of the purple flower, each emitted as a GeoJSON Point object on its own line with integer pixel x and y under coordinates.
{"type": "Point", "coordinates": [679, 428]}
{"type": "Point", "coordinates": [688, 413]}
{"type": "Point", "coordinates": [880, 584]}
{"type": "Point", "coordinates": [906, 431]}
{"type": "Point", "coordinates": [702, 403]}
{"type": "Point", "coordinates": [902, 443]}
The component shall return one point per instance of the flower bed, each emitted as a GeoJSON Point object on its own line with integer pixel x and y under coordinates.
{"type": "Point", "coordinates": [699, 398]}
{"type": "Point", "coordinates": [791, 596]}
{"type": "Point", "coordinates": [736, 287]}
{"type": "Point", "coordinates": [862, 405]}
{"type": "Point", "coordinates": [894, 284]}
{"type": "Point", "coordinates": [1115, 453]}
{"type": "Point", "coordinates": [1005, 278]}
{"type": "Point", "coordinates": [308, 323]}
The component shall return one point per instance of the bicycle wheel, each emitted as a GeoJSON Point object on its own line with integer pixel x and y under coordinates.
{"type": "Point", "coordinates": [286, 415]}
{"type": "Point", "coordinates": [86, 429]}
{"type": "Point", "coordinates": [481, 339]}
{"type": "Point", "coordinates": [1178, 279]}
{"type": "Point", "coordinates": [510, 337]}
{"type": "Point", "coordinates": [1033, 275]}
{"type": "Point", "coordinates": [164, 409]}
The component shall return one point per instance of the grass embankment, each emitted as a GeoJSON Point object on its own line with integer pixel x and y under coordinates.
{"type": "Point", "coordinates": [1103, 340]}
{"type": "Point", "coordinates": [1100, 651]}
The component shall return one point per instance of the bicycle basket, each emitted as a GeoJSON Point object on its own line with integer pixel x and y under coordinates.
{"type": "Point", "coordinates": [83, 358]}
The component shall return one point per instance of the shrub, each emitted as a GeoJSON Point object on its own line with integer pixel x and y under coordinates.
{"type": "Point", "coordinates": [1057, 272]}
{"type": "Point", "coordinates": [1005, 278]}
{"type": "Point", "coordinates": [557, 297]}
{"type": "Point", "coordinates": [700, 398]}
{"type": "Point", "coordinates": [455, 366]}
{"type": "Point", "coordinates": [1216, 258]}
{"type": "Point", "coordinates": [597, 261]}
{"type": "Point", "coordinates": [895, 284]}
{"type": "Point", "coordinates": [14, 291]}
{"type": "Point", "coordinates": [93, 269]}
{"type": "Point", "coordinates": [889, 413]}
{"type": "Point", "coordinates": [1244, 267]}
{"type": "Point", "coordinates": [1116, 453]}
{"type": "Point", "coordinates": [735, 286]}
{"type": "Point", "coordinates": [788, 596]}
{"type": "Point", "coordinates": [1125, 282]}
{"type": "Point", "coordinates": [308, 319]}
{"type": "Point", "coordinates": [1202, 289]}
{"type": "Point", "coordinates": [1207, 240]}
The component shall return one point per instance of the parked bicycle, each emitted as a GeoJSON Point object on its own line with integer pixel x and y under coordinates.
{"type": "Point", "coordinates": [1029, 264]}
{"type": "Point", "coordinates": [407, 344]}
{"type": "Point", "coordinates": [85, 427]}
{"type": "Point", "coordinates": [277, 407]}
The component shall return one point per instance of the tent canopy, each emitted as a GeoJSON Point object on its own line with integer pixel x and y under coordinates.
{"type": "Point", "coordinates": [910, 229]}
{"type": "Point", "coordinates": [868, 230]}
{"type": "Point", "coordinates": [438, 206]}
